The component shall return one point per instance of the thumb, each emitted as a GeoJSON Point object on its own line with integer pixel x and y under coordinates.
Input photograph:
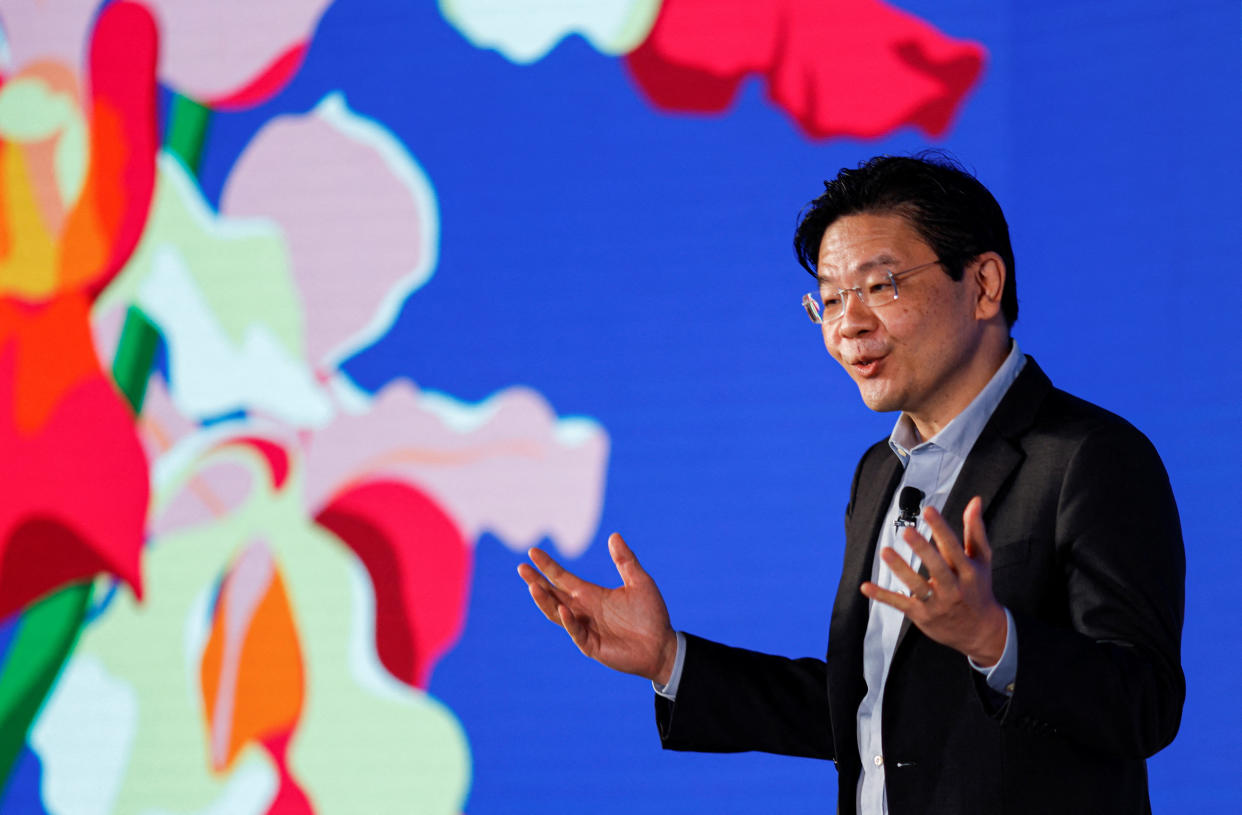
{"type": "Point", "coordinates": [975, 534]}
{"type": "Point", "coordinates": [627, 565]}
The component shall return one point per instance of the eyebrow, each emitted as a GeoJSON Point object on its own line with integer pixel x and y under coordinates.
{"type": "Point", "coordinates": [883, 259]}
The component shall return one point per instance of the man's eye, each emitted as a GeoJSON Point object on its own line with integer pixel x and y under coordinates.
{"type": "Point", "coordinates": [832, 301]}
{"type": "Point", "coordinates": [880, 288]}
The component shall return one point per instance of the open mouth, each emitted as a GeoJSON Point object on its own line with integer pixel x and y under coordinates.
{"type": "Point", "coordinates": [867, 367]}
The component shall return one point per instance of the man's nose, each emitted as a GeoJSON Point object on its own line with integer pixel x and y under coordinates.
{"type": "Point", "coordinates": [856, 318]}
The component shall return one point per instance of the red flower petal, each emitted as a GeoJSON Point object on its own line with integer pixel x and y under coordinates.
{"type": "Point", "coordinates": [290, 798]}
{"type": "Point", "coordinates": [273, 454]}
{"type": "Point", "coordinates": [845, 68]}
{"type": "Point", "coordinates": [419, 563]}
{"type": "Point", "coordinates": [72, 472]}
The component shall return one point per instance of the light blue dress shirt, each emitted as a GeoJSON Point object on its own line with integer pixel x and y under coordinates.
{"type": "Point", "coordinates": [933, 467]}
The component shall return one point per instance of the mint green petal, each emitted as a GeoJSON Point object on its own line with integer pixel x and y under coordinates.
{"type": "Point", "coordinates": [221, 293]}
{"type": "Point", "coordinates": [154, 647]}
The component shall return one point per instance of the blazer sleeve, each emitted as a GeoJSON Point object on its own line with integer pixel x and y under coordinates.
{"type": "Point", "coordinates": [732, 700]}
{"type": "Point", "coordinates": [1111, 679]}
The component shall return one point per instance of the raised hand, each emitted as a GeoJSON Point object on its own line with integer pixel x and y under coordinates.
{"type": "Point", "coordinates": [625, 628]}
{"type": "Point", "coordinates": [954, 604]}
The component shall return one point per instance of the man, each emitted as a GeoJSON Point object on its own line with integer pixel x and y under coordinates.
{"type": "Point", "coordinates": [1006, 633]}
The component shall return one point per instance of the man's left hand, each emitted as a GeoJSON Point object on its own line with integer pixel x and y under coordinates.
{"type": "Point", "coordinates": [954, 604]}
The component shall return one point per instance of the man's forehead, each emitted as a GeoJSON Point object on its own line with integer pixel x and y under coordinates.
{"type": "Point", "coordinates": [861, 242]}
{"type": "Point", "coordinates": [831, 268]}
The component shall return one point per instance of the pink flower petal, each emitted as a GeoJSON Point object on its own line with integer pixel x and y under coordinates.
{"type": "Point", "coordinates": [508, 465]}
{"type": "Point", "coordinates": [358, 215]}
{"type": "Point", "coordinates": [219, 50]}
{"type": "Point", "coordinates": [37, 30]}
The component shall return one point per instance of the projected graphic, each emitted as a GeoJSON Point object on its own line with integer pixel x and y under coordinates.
{"type": "Point", "coordinates": [315, 315]}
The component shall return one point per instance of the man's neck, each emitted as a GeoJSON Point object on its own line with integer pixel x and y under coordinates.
{"type": "Point", "coordinates": [979, 372]}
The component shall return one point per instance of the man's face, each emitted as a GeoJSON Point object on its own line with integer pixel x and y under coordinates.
{"type": "Point", "coordinates": [912, 354]}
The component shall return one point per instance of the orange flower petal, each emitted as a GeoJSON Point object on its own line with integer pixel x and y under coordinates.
{"type": "Point", "coordinates": [251, 670]}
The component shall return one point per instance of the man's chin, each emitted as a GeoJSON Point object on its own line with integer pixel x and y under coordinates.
{"type": "Point", "coordinates": [881, 400]}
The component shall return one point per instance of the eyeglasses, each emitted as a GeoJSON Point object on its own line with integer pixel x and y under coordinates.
{"type": "Point", "coordinates": [879, 290]}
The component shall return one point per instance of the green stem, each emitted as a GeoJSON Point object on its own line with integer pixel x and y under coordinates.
{"type": "Point", "coordinates": [187, 130]}
{"type": "Point", "coordinates": [131, 368]}
{"type": "Point", "coordinates": [40, 646]}
{"type": "Point", "coordinates": [48, 629]}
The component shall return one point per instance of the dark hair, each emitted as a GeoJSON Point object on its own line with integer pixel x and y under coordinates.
{"type": "Point", "coordinates": [952, 212]}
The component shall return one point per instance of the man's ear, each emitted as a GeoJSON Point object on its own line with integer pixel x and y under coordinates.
{"type": "Point", "coordinates": [989, 274]}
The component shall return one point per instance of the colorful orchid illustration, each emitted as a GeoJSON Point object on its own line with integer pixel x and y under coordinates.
{"type": "Point", "coordinates": [301, 566]}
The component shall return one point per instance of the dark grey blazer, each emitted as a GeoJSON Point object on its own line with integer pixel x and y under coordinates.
{"type": "Point", "coordinates": [1087, 556]}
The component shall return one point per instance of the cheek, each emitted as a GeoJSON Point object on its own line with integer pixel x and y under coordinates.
{"type": "Point", "coordinates": [832, 343]}
{"type": "Point", "coordinates": [900, 321]}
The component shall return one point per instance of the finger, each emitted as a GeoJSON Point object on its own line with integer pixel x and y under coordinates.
{"type": "Point", "coordinates": [937, 568]}
{"type": "Point", "coordinates": [577, 631]}
{"type": "Point", "coordinates": [946, 539]}
{"type": "Point", "coordinates": [976, 534]}
{"type": "Point", "coordinates": [535, 580]}
{"type": "Point", "coordinates": [899, 601]}
{"type": "Point", "coordinates": [557, 574]}
{"type": "Point", "coordinates": [546, 603]}
{"type": "Point", "coordinates": [545, 595]}
{"type": "Point", "coordinates": [627, 564]}
{"type": "Point", "coordinates": [913, 580]}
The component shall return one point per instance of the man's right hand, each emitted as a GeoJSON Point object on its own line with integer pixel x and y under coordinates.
{"type": "Point", "coordinates": [626, 628]}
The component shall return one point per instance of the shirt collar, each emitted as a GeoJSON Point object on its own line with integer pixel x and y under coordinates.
{"type": "Point", "coordinates": [960, 434]}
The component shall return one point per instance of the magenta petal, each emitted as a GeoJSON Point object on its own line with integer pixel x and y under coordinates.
{"type": "Point", "coordinates": [848, 68]}
{"type": "Point", "coordinates": [419, 564]}
{"type": "Point", "coordinates": [74, 492]}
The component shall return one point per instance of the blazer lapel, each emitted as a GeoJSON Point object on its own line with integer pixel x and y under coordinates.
{"type": "Point", "coordinates": [864, 530]}
{"type": "Point", "coordinates": [997, 453]}
{"type": "Point", "coordinates": [849, 613]}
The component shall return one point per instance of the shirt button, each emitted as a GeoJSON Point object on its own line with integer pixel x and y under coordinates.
{"type": "Point", "coordinates": [879, 761]}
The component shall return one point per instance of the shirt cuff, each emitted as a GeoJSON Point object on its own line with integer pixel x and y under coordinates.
{"type": "Point", "coordinates": [1000, 677]}
{"type": "Point", "coordinates": [669, 691]}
